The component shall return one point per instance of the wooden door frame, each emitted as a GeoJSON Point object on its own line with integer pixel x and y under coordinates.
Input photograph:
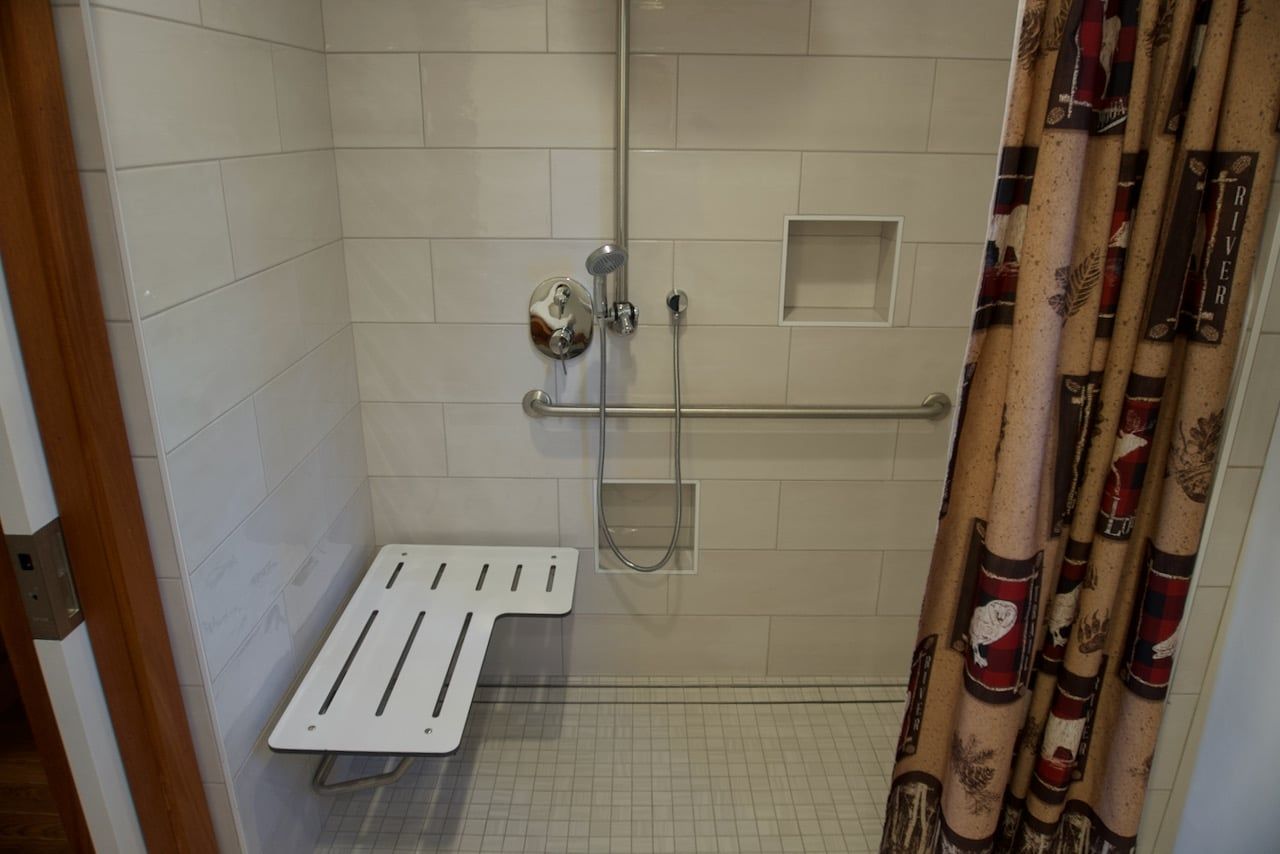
{"type": "Point", "coordinates": [57, 309]}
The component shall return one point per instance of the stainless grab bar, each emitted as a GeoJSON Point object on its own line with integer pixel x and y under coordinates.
{"type": "Point", "coordinates": [538, 404]}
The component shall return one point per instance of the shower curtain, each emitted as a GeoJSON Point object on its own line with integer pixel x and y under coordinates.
{"type": "Point", "coordinates": [1138, 149]}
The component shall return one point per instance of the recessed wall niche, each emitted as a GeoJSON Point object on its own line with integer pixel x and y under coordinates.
{"type": "Point", "coordinates": [839, 270]}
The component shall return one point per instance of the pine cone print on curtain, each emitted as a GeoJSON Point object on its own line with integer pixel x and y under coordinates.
{"type": "Point", "coordinates": [1138, 149]}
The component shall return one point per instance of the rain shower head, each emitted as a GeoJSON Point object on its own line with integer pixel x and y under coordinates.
{"type": "Point", "coordinates": [607, 259]}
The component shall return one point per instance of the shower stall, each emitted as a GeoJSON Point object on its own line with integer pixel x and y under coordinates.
{"type": "Point", "coordinates": [318, 227]}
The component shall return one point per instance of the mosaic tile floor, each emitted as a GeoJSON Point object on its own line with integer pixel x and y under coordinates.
{"type": "Point", "coordinates": [643, 765]}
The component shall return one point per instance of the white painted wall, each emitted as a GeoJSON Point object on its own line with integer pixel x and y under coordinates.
{"type": "Point", "coordinates": [1231, 801]}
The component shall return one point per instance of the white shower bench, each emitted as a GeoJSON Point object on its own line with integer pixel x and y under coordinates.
{"type": "Point", "coordinates": [398, 672]}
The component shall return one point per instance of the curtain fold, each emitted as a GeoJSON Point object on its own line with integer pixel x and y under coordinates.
{"type": "Point", "coordinates": [1138, 150]}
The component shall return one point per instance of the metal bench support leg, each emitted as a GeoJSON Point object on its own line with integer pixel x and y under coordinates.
{"type": "Point", "coordinates": [320, 782]}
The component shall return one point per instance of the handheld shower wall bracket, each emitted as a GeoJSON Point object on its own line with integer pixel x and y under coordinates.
{"type": "Point", "coordinates": [621, 315]}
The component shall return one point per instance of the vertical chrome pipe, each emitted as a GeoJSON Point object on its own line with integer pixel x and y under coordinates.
{"type": "Point", "coordinates": [620, 166]}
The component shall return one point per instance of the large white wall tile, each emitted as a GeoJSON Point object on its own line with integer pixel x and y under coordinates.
{"type": "Point", "coordinates": [404, 439]}
{"type": "Point", "coordinates": [487, 511]}
{"type": "Point", "coordinates": [640, 367]}
{"type": "Point", "coordinates": [1221, 548]}
{"type": "Point", "coordinates": [376, 99]}
{"type": "Point", "coordinates": [617, 592]}
{"type": "Point", "coordinates": [487, 281]}
{"type": "Point", "coordinates": [582, 194]}
{"type": "Point", "coordinates": [216, 478]}
{"type": "Point", "coordinates": [444, 193]}
{"type": "Point", "coordinates": [858, 514]}
{"type": "Point", "coordinates": [1261, 400]}
{"type": "Point", "coordinates": [499, 440]}
{"type": "Point", "coordinates": [924, 446]}
{"type": "Point", "coordinates": [441, 25]}
{"type": "Point", "coordinates": [101, 219]}
{"type": "Point", "coordinates": [279, 207]}
{"type": "Point", "coordinates": [981, 28]}
{"type": "Point", "coordinates": [662, 645]}
{"type": "Point", "coordinates": [294, 22]}
{"type": "Point", "coordinates": [902, 579]}
{"type": "Point", "coordinates": [795, 450]}
{"type": "Point", "coordinates": [712, 195]}
{"type": "Point", "coordinates": [302, 98]}
{"type": "Point", "coordinates": [945, 283]}
{"type": "Point", "coordinates": [770, 582]}
{"type": "Point", "coordinates": [299, 407]}
{"type": "Point", "coordinates": [968, 105]}
{"type": "Point", "coordinates": [321, 585]}
{"type": "Point", "coordinates": [709, 195]}
{"type": "Point", "coordinates": [175, 226]}
{"type": "Point", "coordinates": [209, 353]}
{"type": "Point", "coordinates": [525, 646]}
{"type": "Point", "coordinates": [174, 92]}
{"type": "Point", "coordinates": [177, 10]}
{"type": "Point", "coordinates": [1196, 640]}
{"type": "Point", "coordinates": [943, 197]}
{"type": "Point", "coordinates": [278, 544]}
{"type": "Point", "coordinates": [682, 26]}
{"type": "Point", "coordinates": [278, 809]}
{"type": "Point", "coordinates": [805, 103]}
{"type": "Point", "coordinates": [525, 99]}
{"type": "Point", "coordinates": [720, 26]}
{"type": "Point", "coordinates": [493, 99]}
{"type": "Point", "coordinates": [853, 646]}
{"type": "Point", "coordinates": [236, 585]}
{"type": "Point", "coordinates": [500, 364]}
{"type": "Point", "coordinates": [390, 280]}
{"type": "Point", "coordinates": [728, 282]}
{"type": "Point", "coordinates": [252, 684]}
{"type": "Point", "coordinates": [1174, 727]}
{"type": "Point", "coordinates": [322, 293]}
{"type": "Point", "coordinates": [738, 514]}
{"type": "Point", "coordinates": [854, 367]}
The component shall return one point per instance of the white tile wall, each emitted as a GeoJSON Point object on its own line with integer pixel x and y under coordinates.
{"type": "Point", "coordinates": [977, 29]}
{"type": "Point", "coordinates": [473, 158]}
{"type": "Point", "coordinates": [279, 207]}
{"type": "Point", "coordinates": [221, 181]}
{"type": "Point", "coordinates": [177, 237]}
{"type": "Point", "coordinates": [814, 103]}
{"type": "Point", "coordinates": [444, 193]}
{"type": "Point", "coordinates": [442, 25]}
{"type": "Point", "coordinates": [174, 92]}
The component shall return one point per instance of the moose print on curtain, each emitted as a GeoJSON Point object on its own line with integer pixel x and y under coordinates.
{"type": "Point", "coordinates": [1139, 145]}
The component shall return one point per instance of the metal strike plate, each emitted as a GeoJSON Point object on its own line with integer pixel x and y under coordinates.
{"type": "Point", "coordinates": [40, 564]}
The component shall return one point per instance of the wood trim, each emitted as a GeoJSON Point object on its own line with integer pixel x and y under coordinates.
{"type": "Point", "coordinates": [57, 308]}
{"type": "Point", "coordinates": [39, 710]}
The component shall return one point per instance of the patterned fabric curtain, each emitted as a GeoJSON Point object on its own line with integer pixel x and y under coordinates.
{"type": "Point", "coordinates": [1138, 149]}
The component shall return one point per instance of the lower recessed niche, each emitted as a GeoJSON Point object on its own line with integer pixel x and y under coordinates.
{"type": "Point", "coordinates": [640, 514]}
{"type": "Point", "coordinates": [839, 270]}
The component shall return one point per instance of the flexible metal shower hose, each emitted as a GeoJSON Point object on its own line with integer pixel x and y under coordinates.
{"type": "Point", "coordinates": [679, 488]}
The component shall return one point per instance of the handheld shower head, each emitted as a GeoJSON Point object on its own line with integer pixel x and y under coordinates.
{"type": "Point", "coordinates": [607, 259]}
